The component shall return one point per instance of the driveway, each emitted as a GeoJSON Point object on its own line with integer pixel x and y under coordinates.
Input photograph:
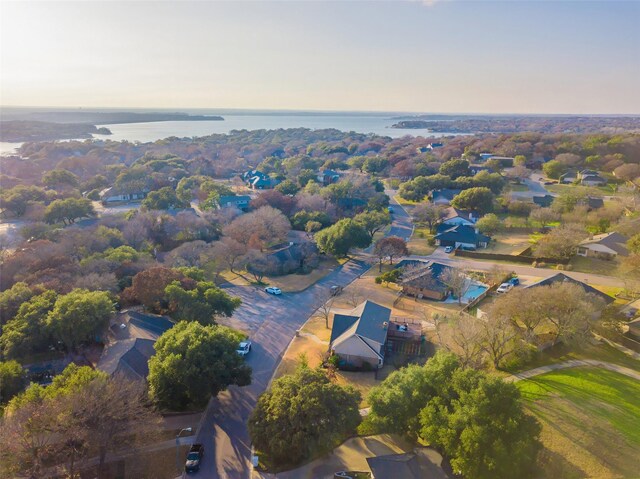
{"type": "Point", "coordinates": [271, 322]}
{"type": "Point", "coordinates": [535, 183]}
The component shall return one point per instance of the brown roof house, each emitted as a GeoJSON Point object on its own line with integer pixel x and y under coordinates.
{"type": "Point", "coordinates": [424, 281]}
{"type": "Point", "coordinates": [360, 336]}
{"type": "Point", "coordinates": [604, 246]}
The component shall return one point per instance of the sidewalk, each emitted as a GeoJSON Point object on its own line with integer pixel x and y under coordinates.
{"type": "Point", "coordinates": [574, 363]}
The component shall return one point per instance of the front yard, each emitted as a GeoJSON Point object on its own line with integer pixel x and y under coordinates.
{"type": "Point", "coordinates": [508, 243]}
{"type": "Point", "coordinates": [419, 242]}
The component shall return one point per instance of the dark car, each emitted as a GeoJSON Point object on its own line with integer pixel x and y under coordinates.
{"type": "Point", "coordinates": [194, 458]}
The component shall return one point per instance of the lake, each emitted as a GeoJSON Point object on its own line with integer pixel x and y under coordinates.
{"type": "Point", "coordinates": [152, 131]}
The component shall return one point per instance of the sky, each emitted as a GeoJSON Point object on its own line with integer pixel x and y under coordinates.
{"type": "Point", "coordinates": [442, 56]}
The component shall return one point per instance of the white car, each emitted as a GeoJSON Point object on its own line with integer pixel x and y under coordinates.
{"type": "Point", "coordinates": [243, 348]}
{"type": "Point", "coordinates": [273, 290]}
{"type": "Point", "coordinates": [504, 288]}
{"type": "Point", "coordinates": [448, 249]}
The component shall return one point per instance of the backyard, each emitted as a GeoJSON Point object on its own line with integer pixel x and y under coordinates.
{"type": "Point", "coordinates": [591, 422]}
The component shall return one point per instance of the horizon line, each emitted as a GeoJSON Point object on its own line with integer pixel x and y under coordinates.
{"type": "Point", "coordinates": [313, 111]}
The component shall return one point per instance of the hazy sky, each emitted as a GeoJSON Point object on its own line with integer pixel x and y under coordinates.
{"type": "Point", "coordinates": [433, 56]}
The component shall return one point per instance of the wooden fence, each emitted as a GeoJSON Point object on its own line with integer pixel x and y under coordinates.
{"type": "Point", "coordinates": [508, 257]}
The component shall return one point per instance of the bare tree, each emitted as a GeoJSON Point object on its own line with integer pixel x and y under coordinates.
{"type": "Point", "coordinates": [324, 311]}
{"type": "Point", "coordinates": [457, 281]}
{"type": "Point", "coordinates": [499, 338]}
{"type": "Point", "coordinates": [229, 252]}
{"type": "Point", "coordinates": [462, 336]}
{"type": "Point", "coordinates": [354, 297]}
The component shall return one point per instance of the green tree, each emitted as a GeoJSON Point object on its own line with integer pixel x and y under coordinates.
{"type": "Point", "coordinates": [482, 427]}
{"type": "Point", "coordinates": [342, 236]}
{"type": "Point", "coordinates": [489, 224]}
{"type": "Point", "coordinates": [80, 316]}
{"type": "Point", "coordinates": [17, 199]}
{"type": "Point", "coordinates": [455, 168]}
{"type": "Point", "coordinates": [202, 303]}
{"type": "Point", "coordinates": [28, 331]}
{"type": "Point", "coordinates": [11, 300]}
{"type": "Point", "coordinates": [373, 221]}
{"type": "Point", "coordinates": [375, 164]}
{"type": "Point", "coordinates": [12, 380]}
{"type": "Point", "coordinates": [392, 276]}
{"type": "Point", "coordinates": [287, 187]}
{"type": "Point", "coordinates": [519, 160]}
{"type": "Point", "coordinates": [164, 199]}
{"type": "Point", "coordinates": [68, 210]}
{"type": "Point", "coordinates": [193, 363]}
{"type": "Point", "coordinates": [553, 169]}
{"type": "Point", "coordinates": [478, 199]}
{"type": "Point", "coordinates": [396, 403]}
{"type": "Point", "coordinates": [303, 414]}
{"type": "Point", "coordinates": [60, 178]}
{"type": "Point", "coordinates": [634, 244]}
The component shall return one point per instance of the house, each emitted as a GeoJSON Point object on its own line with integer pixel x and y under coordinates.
{"type": "Point", "coordinates": [593, 180]}
{"type": "Point", "coordinates": [132, 338]}
{"type": "Point", "coordinates": [114, 195]}
{"type": "Point", "coordinates": [568, 177]}
{"type": "Point", "coordinates": [443, 197]}
{"type": "Point", "coordinates": [433, 146]}
{"type": "Point", "coordinates": [419, 464]}
{"type": "Point", "coordinates": [563, 278]}
{"type": "Point", "coordinates": [360, 336]}
{"type": "Point", "coordinates": [460, 235]}
{"type": "Point", "coordinates": [543, 201]}
{"type": "Point", "coordinates": [294, 257]}
{"type": "Point", "coordinates": [485, 156]}
{"type": "Point", "coordinates": [604, 246]}
{"type": "Point", "coordinates": [247, 176]}
{"type": "Point", "coordinates": [328, 177]}
{"type": "Point", "coordinates": [454, 216]}
{"type": "Point", "coordinates": [240, 202]}
{"type": "Point", "coordinates": [262, 183]}
{"type": "Point", "coordinates": [424, 281]}
{"type": "Point", "coordinates": [592, 203]}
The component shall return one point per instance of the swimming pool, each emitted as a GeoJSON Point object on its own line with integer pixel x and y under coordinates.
{"type": "Point", "coordinates": [475, 290]}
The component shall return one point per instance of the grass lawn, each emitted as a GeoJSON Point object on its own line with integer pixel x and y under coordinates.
{"type": "Point", "coordinates": [298, 282]}
{"type": "Point", "coordinates": [516, 187]}
{"type": "Point", "coordinates": [591, 422]}
{"type": "Point", "coordinates": [589, 190]}
{"type": "Point", "coordinates": [418, 243]}
{"type": "Point", "coordinates": [506, 243]}
{"type": "Point", "coordinates": [592, 350]}
{"type": "Point", "coordinates": [594, 265]}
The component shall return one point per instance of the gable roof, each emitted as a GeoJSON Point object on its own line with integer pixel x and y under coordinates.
{"type": "Point", "coordinates": [614, 241]}
{"type": "Point", "coordinates": [455, 213]}
{"type": "Point", "coordinates": [427, 277]}
{"type": "Point", "coordinates": [460, 234]}
{"type": "Point", "coordinates": [593, 178]}
{"type": "Point", "coordinates": [234, 200]}
{"type": "Point", "coordinates": [409, 465]}
{"type": "Point", "coordinates": [367, 321]}
{"type": "Point", "coordinates": [562, 278]}
{"type": "Point", "coordinates": [152, 323]}
{"type": "Point", "coordinates": [445, 193]}
{"type": "Point", "coordinates": [134, 364]}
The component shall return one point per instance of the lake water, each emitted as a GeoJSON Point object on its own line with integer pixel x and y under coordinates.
{"type": "Point", "coordinates": [152, 131]}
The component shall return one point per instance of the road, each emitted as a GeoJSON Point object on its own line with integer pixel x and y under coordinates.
{"type": "Point", "coordinates": [468, 263]}
{"type": "Point", "coordinates": [272, 322]}
{"type": "Point", "coordinates": [535, 183]}
{"type": "Point", "coordinates": [402, 226]}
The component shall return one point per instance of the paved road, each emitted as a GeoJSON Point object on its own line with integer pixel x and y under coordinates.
{"type": "Point", "coordinates": [536, 188]}
{"type": "Point", "coordinates": [574, 363]}
{"type": "Point", "coordinates": [272, 322]}
{"type": "Point", "coordinates": [402, 224]}
{"type": "Point", "coordinates": [440, 256]}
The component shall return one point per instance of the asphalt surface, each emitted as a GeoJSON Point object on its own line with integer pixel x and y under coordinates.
{"type": "Point", "coordinates": [272, 322]}
{"type": "Point", "coordinates": [535, 183]}
{"type": "Point", "coordinates": [402, 226]}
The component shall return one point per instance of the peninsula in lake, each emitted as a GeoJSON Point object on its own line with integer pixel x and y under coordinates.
{"type": "Point", "coordinates": [66, 125]}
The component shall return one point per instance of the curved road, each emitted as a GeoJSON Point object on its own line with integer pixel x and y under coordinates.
{"type": "Point", "coordinates": [272, 322]}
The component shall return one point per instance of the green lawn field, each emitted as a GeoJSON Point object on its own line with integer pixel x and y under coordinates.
{"type": "Point", "coordinates": [591, 422]}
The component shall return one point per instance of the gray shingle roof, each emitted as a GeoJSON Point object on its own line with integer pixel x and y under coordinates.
{"type": "Point", "coordinates": [561, 278]}
{"type": "Point", "coordinates": [370, 318]}
{"type": "Point", "coordinates": [134, 364]}
{"type": "Point", "coordinates": [404, 466]}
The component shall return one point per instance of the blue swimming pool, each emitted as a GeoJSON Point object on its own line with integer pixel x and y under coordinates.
{"type": "Point", "coordinates": [472, 293]}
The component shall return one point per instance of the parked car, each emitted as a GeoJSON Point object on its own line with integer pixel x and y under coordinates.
{"type": "Point", "coordinates": [194, 458]}
{"type": "Point", "coordinates": [273, 290]}
{"type": "Point", "coordinates": [514, 281]}
{"type": "Point", "coordinates": [448, 249]}
{"type": "Point", "coordinates": [504, 288]}
{"type": "Point", "coordinates": [335, 290]}
{"type": "Point", "coordinates": [390, 209]}
{"type": "Point", "coordinates": [244, 348]}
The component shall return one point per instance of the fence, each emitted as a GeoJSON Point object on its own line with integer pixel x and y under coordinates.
{"type": "Point", "coordinates": [508, 257]}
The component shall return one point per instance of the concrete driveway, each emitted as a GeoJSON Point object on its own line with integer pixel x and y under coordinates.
{"type": "Point", "coordinates": [535, 183]}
